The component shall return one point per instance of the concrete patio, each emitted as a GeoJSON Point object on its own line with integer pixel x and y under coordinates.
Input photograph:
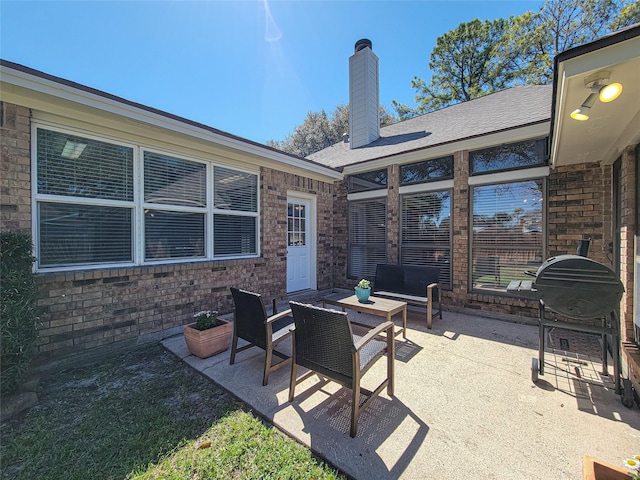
{"type": "Point", "coordinates": [465, 405]}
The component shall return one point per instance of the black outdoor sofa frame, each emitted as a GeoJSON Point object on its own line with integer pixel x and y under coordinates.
{"type": "Point", "coordinates": [323, 342]}
{"type": "Point", "coordinates": [417, 285]}
{"type": "Point", "coordinates": [251, 323]}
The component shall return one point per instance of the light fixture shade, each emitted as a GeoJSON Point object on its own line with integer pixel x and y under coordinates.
{"type": "Point", "coordinates": [581, 113]}
{"type": "Point", "coordinates": [610, 92]}
{"type": "Point", "coordinates": [73, 150]}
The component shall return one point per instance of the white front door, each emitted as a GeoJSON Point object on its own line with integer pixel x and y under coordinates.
{"type": "Point", "coordinates": [299, 242]}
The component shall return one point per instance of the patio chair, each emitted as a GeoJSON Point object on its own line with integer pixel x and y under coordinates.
{"type": "Point", "coordinates": [250, 322]}
{"type": "Point", "coordinates": [324, 343]}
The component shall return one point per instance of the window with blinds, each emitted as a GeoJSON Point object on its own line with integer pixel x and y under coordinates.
{"type": "Point", "coordinates": [427, 231]}
{"type": "Point", "coordinates": [91, 211]}
{"type": "Point", "coordinates": [175, 201]}
{"type": "Point", "coordinates": [235, 223]}
{"type": "Point", "coordinates": [508, 232]}
{"type": "Point", "coordinates": [367, 236]}
{"type": "Point", "coordinates": [84, 193]}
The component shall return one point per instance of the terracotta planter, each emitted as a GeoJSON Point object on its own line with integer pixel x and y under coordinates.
{"type": "Point", "coordinates": [208, 342]}
{"type": "Point", "coordinates": [594, 469]}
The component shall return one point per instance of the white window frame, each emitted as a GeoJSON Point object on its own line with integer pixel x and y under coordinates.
{"type": "Point", "coordinates": [138, 204]}
{"type": "Point", "coordinates": [498, 178]}
{"type": "Point", "coordinates": [430, 187]}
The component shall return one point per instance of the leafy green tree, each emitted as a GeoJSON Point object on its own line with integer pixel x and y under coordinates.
{"type": "Point", "coordinates": [478, 57]}
{"type": "Point", "coordinates": [319, 131]}
{"type": "Point", "coordinates": [629, 15]}
{"type": "Point", "coordinates": [464, 66]}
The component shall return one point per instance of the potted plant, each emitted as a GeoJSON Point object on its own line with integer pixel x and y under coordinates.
{"type": "Point", "coordinates": [208, 334]}
{"type": "Point", "coordinates": [363, 290]}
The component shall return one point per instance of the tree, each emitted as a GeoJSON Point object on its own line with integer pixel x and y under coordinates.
{"type": "Point", "coordinates": [463, 65]}
{"type": "Point", "coordinates": [629, 15]}
{"type": "Point", "coordinates": [478, 58]}
{"type": "Point", "coordinates": [319, 131]}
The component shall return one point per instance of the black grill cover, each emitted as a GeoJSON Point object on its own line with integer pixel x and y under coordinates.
{"type": "Point", "coordinates": [578, 287]}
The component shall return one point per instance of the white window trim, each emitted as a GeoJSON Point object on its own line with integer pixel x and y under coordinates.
{"type": "Point", "coordinates": [509, 176]}
{"type": "Point", "coordinates": [367, 195]}
{"type": "Point", "coordinates": [426, 187]}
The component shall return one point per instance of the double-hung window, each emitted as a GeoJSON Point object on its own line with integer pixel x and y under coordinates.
{"type": "Point", "coordinates": [106, 203]}
{"type": "Point", "coordinates": [507, 223]}
{"type": "Point", "coordinates": [425, 202]}
{"type": "Point", "coordinates": [367, 222]}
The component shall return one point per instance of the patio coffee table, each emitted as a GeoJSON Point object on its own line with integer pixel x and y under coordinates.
{"type": "Point", "coordinates": [382, 307]}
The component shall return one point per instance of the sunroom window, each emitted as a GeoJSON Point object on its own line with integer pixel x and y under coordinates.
{"type": "Point", "coordinates": [511, 156]}
{"type": "Point", "coordinates": [508, 232]}
{"type": "Point", "coordinates": [91, 211]}
{"type": "Point", "coordinates": [427, 171]}
{"type": "Point", "coordinates": [367, 236]}
{"type": "Point", "coordinates": [366, 181]}
{"type": "Point", "coordinates": [426, 231]}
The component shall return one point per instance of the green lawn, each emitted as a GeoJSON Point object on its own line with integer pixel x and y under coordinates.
{"type": "Point", "coordinates": [146, 415]}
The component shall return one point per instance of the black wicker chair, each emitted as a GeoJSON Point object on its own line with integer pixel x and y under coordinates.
{"type": "Point", "coordinates": [250, 322]}
{"type": "Point", "coordinates": [324, 343]}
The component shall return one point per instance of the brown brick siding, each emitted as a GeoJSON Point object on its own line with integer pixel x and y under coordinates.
{"type": "Point", "coordinates": [628, 176]}
{"type": "Point", "coordinates": [86, 309]}
{"type": "Point", "coordinates": [578, 198]}
{"type": "Point", "coordinates": [15, 167]}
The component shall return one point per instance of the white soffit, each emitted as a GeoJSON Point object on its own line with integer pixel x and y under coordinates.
{"type": "Point", "coordinates": [611, 126]}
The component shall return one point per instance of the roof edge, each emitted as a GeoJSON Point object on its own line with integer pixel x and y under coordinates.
{"type": "Point", "coordinates": [229, 139]}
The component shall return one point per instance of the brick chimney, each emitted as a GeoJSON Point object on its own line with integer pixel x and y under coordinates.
{"type": "Point", "coordinates": [364, 96]}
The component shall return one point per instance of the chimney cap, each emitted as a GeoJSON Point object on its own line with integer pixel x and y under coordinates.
{"type": "Point", "coordinates": [364, 43]}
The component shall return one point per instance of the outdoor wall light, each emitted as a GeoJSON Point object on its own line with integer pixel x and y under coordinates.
{"type": "Point", "coordinates": [606, 92]}
{"type": "Point", "coordinates": [582, 113]}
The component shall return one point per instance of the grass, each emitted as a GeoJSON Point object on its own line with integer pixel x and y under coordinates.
{"type": "Point", "coordinates": [146, 415]}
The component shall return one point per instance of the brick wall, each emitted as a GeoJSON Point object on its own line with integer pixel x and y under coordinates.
{"type": "Point", "coordinates": [15, 167]}
{"type": "Point", "coordinates": [87, 309]}
{"type": "Point", "coordinates": [393, 214]}
{"type": "Point", "coordinates": [119, 307]}
{"type": "Point", "coordinates": [579, 202]}
{"type": "Point", "coordinates": [628, 177]}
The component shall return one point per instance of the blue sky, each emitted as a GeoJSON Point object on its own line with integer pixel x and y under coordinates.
{"type": "Point", "coordinates": [250, 68]}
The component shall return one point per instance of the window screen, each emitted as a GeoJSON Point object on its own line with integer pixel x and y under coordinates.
{"type": "Point", "coordinates": [426, 232]}
{"type": "Point", "coordinates": [508, 231]}
{"type": "Point", "coordinates": [367, 236]}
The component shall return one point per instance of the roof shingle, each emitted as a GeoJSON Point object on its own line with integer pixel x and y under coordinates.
{"type": "Point", "coordinates": [504, 110]}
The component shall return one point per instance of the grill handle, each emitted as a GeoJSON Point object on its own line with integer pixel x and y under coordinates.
{"type": "Point", "coordinates": [530, 273]}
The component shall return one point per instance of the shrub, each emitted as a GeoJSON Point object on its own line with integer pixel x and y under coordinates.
{"type": "Point", "coordinates": [18, 318]}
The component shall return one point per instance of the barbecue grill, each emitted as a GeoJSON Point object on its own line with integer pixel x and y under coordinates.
{"type": "Point", "coordinates": [583, 290]}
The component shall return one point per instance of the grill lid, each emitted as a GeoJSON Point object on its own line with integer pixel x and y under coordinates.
{"type": "Point", "coordinates": [578, 287]}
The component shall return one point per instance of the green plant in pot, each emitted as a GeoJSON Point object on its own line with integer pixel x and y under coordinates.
{"type": "Point", "coordinates": [206, 319]}
{"type": "Point", "coordinates": [207, 334]}
{"type": "Point", "coordinates": [363, 290]}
